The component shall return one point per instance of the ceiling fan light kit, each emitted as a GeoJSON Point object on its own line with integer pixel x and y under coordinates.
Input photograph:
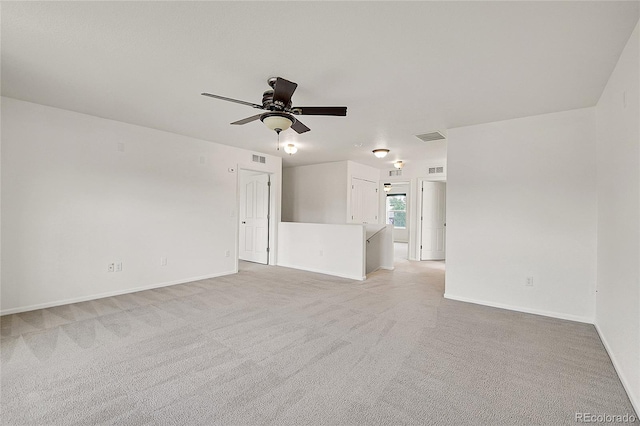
{"type": "Point", "coordinates": [380, 152]}
{"type": "Point", "coordinates": [280, 113]}
{"type": "Point", "coordinates": [290, 149]}
{"type": "Point", "coordinates": [277, 121]}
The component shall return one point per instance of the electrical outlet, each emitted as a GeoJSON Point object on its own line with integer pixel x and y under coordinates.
{"type": "Point", "coordinates": [321, 252]}
{"type": "Point", "coordinates": [111, 267]}
{"type": "Point", "coordinates": [163, 261]}
{"type": "Point", "coordinates": [227, 253]}
{"type": "Point", "coordinates": [529, 282]}
{"type": "Point", "coordinates": [119, 267]}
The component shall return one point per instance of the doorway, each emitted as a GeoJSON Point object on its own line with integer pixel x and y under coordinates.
{"type": "Point", "coordinates": [253, 216]}
{"type": "Point", "coordinates": [397, 214]}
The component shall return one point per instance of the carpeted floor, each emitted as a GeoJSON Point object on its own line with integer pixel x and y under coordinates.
{"type": "Point", "coordinates": [277, 346]}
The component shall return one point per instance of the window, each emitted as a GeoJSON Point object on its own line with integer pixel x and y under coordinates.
{"type": "Point", "coordinates": [397, 210]}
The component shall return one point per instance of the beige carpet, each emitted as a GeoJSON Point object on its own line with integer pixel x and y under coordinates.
{"type": "Point", "coordinates": [277, 346]}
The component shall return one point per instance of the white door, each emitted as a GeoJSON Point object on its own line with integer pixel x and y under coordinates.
{"type": "Point", "coordinates": [433, 221]}
{"type": "Point", "coordinates": [364, 201]}
{"type": "Point", "coordinates": [254, 217]}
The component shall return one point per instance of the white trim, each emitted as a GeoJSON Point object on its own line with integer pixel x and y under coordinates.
{"type": "Point", "coordinates": [320, 271]}
{"type": "Point", "coordinates": [635, 401]}
{"type": "Point", "coordinates": [388, 268]}
{"type": "Point", "coordinates": [559, 315]}
{"type": "Point", "coordinates": [109, 294]}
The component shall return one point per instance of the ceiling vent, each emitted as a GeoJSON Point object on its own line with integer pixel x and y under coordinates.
{"type": "Point", "coordinates": [433, 136]}
{"type": "Point", "coordinates": [436, 170]}
{"type": "Point", "coordinates": [259, 159]}
{"type": "Point", "coordinates": [395, 172]}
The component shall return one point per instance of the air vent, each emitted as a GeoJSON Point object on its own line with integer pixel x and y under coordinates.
{"type": "Point", "coordinates": [433, 136]}
{"type": "Point", "coordinates": [395, 172]}
{"type": "Point", "coordinates": [259, 159]}
{"type": "Point", "coordinates": [436, 170]}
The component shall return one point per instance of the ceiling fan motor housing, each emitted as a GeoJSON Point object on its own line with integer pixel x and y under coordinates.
{"type": "Point", "coordinates": [267, 98]}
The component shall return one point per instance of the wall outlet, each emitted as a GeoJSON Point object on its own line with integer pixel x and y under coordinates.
{"type": "Point", "coordinates": [111, 267]}
{"type": "Point", "coordinates": [163, 261]}
{"type": "Point", "coordinates": [227, 253]}
{"type": "Point", "coordinates": [321, 252]}
{"type": "Point", "coordinates": [529, 282]}
{"type": "Point", "coordinates": [119, 267]}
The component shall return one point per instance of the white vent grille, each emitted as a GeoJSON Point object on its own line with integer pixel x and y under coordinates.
{"type": "Point", "coordinates": [259, 159]}
{"type": "Point", "coordinates": [433, 136]}
{"type": "Point", "coordinates": [395, 172]}
{"type": "Point", "coordinates": [436, 170]}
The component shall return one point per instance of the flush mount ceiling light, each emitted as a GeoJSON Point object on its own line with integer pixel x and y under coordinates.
{"type": "Point", "coordinates": [290, 149]}
{"type": "Point", "coordinates": [387, 187]}
{"type": "Point", "coordinates": [380, 152]}
{"type": "Point", "coordinates": [277, 121]}
{"type": "Point", "coordinates": [398, 164]}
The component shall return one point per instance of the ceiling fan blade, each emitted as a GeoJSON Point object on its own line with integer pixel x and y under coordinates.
{"type": "Point", "coordinates": [233, 100]}
{"type": "Point", "coordinates": [339, 111]}
{"type": "Point", "coordinates": [299, 127]}
{"type": "Point", "coordinates": [248, 119]}
{"type": "Point", "coordinates": [283, 90]}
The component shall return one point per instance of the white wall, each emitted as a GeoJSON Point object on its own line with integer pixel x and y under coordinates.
{"type": "Point", "coordinates": [321, 193]}
{"type": "Point", "coordinates": [73, 203]}
{"type": "Point", "coordinates": [315, 193]}
{"type": "Point", "coordinates": [521, 201]}
{"type": "Point", "coordinates": [326, 248]}
{"type": "Point", "coordinates": [618, 164]}
{"type": "Point", "coordinates": [379, 247]}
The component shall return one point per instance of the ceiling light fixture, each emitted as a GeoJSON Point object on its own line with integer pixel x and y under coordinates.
{"type": "Point", "coordinates": [380, 152]}
{"type": "Point", "coordinates": [398, 164]}
{"type": "Point", "coordinates": [290, 149]}
{"type": "Point", "coordinates": [277, 121]}
{"type": "Point", "coordinates": [387, 187]}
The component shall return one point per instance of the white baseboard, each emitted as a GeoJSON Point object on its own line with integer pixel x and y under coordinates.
{"type": "Point", "coordinates": [559, 315]}
{"type": "Point", "coordinates": [107, 294]}
{"type": "Point", "coordinates": [321, 271]}
{"type": "Point", "coordinates": [635, 400]}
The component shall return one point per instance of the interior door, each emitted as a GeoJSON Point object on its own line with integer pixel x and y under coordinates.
{"type": "Point", "coordinates": [364, 201]}
{"type": "Point", "coordinates": [254, 217]}
{"type": "Point", "coordinates": [432, 242]}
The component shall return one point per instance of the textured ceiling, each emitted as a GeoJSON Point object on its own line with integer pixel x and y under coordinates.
{"type": "Point", "coordinates": [402, 68]}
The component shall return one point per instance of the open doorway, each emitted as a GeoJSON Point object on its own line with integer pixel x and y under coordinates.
{"type": "Point", "coordinates": [397, 214]}
{"type": "Point", "coordinates": [254, 216]}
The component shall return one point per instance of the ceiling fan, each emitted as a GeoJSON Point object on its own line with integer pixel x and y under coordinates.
{"type": "Point", "coordinates": [280, 115]}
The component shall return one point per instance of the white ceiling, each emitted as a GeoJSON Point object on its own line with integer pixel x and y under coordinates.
{"type": "Point", "coordinates": [402, 68]}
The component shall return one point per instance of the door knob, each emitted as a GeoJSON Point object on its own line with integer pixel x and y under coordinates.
{"type": "Point", "coordinates": [244, 222]}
